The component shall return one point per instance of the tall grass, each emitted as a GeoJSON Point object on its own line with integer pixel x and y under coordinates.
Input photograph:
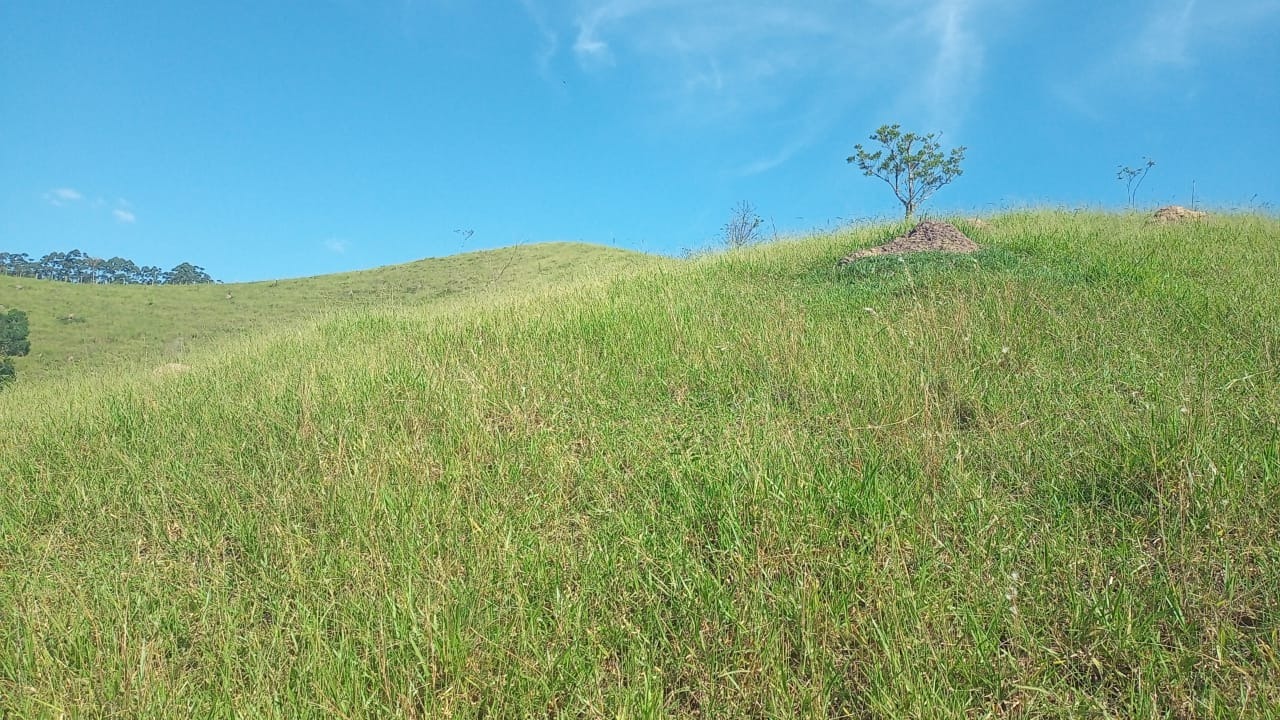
{"type": "Point", "coordinates": [84, 329]}
{"type": "Point", "coordinates": [1039, 481]}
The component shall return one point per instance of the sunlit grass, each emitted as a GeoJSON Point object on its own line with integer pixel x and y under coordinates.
{"type": "Point", "coordinates": [78, 329]}
{"type": "Point", "coordinates": [1038, 481]}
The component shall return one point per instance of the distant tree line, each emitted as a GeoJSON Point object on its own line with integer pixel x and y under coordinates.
{"type": "Point", "coordinates": [77, 267]}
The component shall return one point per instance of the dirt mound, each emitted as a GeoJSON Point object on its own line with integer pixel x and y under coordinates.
{"type": "Point", "coordinates": [928, 236]}
{"type": "Point", "coordinates": [1175, 213]}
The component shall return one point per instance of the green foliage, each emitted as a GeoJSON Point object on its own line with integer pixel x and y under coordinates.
{"type": "Point", "coordinates": [13, 333]}
{"type": "Point", "coordinates": [13, 343]}
{"type": "Point", "coordinates": [79, 267]}
{"type": "Point", "coordinates": [1039, 481]}
{"type": "Point", "coordinates": [187, 274]}
{"type": "Point", "coordinates": [912, 165]}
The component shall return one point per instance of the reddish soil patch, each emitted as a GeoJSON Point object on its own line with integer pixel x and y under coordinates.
{"type": "Point", "coordinates": [928, 236]}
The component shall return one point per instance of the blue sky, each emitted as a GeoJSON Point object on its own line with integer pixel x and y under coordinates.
{"type": "Point", "coordinates": [265, 138]}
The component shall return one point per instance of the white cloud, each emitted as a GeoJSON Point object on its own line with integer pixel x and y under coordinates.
{"type": "Point", "coordinates": [1160, 45]}
{"type": "Point", "coordinates": [62, 196]}
{"type": "Point", "coordinates": [804, 67]}
{"type": "Point", "coordinates": [799, 139]}
{"type": "Point", "coordinates": [550, 39]}
{"type": "Point", "coordinates": [765, 164]}
{"type": "Point", "coordinates": [589, 46]}
{"type": "Point", "coordinates": [1175, 34]}
{"type": "Point", "coordinates": [336, 245]}
{"type": "Point", "coordinates": [592, 52]}
{"type": "Point", "coordinates": [1165, 39]}
{"type": "Point", "coordinates": [957, 59]}
{"type": "Point", "coordinates": [716, 61]}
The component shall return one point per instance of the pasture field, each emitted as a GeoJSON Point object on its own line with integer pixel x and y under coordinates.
{"type": "Point", "coordinates": [79, 329]}
{"type": "Point", "coordinates": [1039, 481]}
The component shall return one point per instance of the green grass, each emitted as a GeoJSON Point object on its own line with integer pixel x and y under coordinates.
{"type": "Point", "coordinates": [85, 328]}
{"type": "Point", "coordinates": [1039, 481]}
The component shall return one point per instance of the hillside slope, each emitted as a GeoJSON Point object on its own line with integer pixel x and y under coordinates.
{"type": "Point", "coordinates": [1038, 481]}
{"type": "Point", "coordinates": [78, 328]}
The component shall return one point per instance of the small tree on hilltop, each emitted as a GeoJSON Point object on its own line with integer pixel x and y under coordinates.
{"type": "Point", "coordinates": [913, 165]}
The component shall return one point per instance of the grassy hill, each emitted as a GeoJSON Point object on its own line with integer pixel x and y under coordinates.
{"type": "Point", "coordinates": [1038, 481]}
{"type": "Point", "coordinates": [78, 328]}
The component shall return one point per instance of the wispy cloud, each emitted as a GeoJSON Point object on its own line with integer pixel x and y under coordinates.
{"type": "Point", "coordinates": [336, 245]}
{"type": "Point", "coordinates": [796, 141]}
{"type": "Point", "coordinates": [590, 50]}
{"type": "Point", "coordinates": [729, 63]}
{"type": "Point", "coordinates": [1159, 46]}
{"type": "Point", "coordinates": [957, 58]}
{"type": "Point", "coordinates": [765, 164]}
{"type": "Point", "coordinates": [598, 18]}
{"type": "Point", "coordinates": [550, 38]}
{"type": "Point", "coordinates": [1175, 34]}
{"type": "Point", "coordinates": [63, 196]}
{"type": "Point", "coordinates": [1164, 40]}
